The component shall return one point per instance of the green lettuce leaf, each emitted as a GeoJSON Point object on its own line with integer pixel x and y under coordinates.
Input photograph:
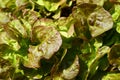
{"type": "Point", "coordinates": [51, 5]}
{"type": "Point", "coordinates": [111, 76]}
{"type": "Point", "coordinates": [4, 18]}
{"type": "Point", "coordinates": [17, 26]}
{"type": "Point", "coordinates": [7, 39]}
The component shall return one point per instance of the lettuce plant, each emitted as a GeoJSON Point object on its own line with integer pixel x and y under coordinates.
{"type": "Point", "coordinates": [59, 39]}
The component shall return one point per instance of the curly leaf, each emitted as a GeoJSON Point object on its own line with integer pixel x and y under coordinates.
{"type": "Point", "coordinates": [80, 14]}
{"type": "Point", "coordinates": [66, 26]}
{"type": "Point", "coordinates": [114, 55]}
{"type": "Point", "coordinates": [20, 2]}
{"type": "Point", "coordinates": [30, 16]}
{"type": "Point", "coordinates": [6, 39]}
{"type": "Point", "coordinates": [51, 5]}
{"type": "Point", "coordinates": [17, 26]}
{"type": "Point", "coordinates": [94, 64]}
{"type": "Point", "coordinates": [3, 3]}
{"type": "Point", "coordinates": [72, 71]}
{"type": "Point", "coordinates": [5, 68]}
{"type": "Point", "coordinates": [98, 2]}
{"type": "Point", "coordinates": [44, 22]}
{"type": "Point", "coordinates": [99, 21]}
{"type": "Point", "coordinates": [4, 18]}
{"type": "Point", "coordinates": [118, 27]}
{"type": "Point", "coordinates": [115, 1]}
{"type": "Point", "coordinates": [116, 14]}
{"type": "Point", "coordinates": [7, 4]}
{"type": "Point", "coordinates": [111, 76]}
{"type": "Point", "coordinates": [48, 40]}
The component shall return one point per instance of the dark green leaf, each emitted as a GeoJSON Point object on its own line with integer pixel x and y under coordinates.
{"type": "Point", "coordinates": [114, 56]}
